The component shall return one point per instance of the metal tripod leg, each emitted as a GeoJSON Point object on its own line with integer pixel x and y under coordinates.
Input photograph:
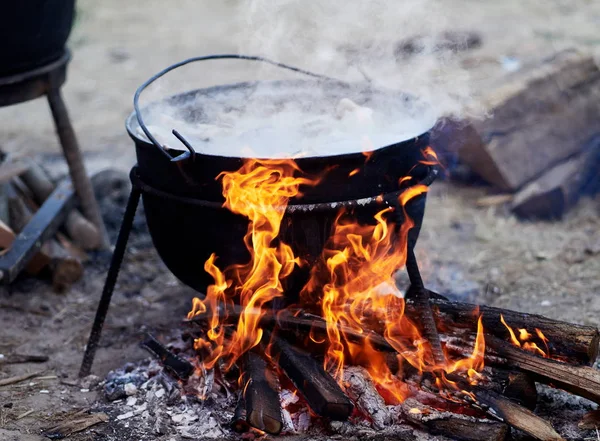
{"type": "Point", "coordinates": [420, 297]}
{"type": "Point", "coordinates": [109, 284]}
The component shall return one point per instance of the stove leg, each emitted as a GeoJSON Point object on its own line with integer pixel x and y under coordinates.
{"type": "Point", "coordinates": [421, 299]}
{"type": "Point", "coordinates": [109, 284]}
{"type": "Point", "coordinates": [70, 146]}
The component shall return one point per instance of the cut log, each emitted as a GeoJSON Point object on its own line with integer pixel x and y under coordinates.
{"type": "Point", "coordinates": [66, 269]}
{"type": "Point", "coordinates": [579, 380]}
{"type": "Point", "coordinates": [571, 342]}
{"type": "Point", "coordinates": [539, 118]}
{"type": "Point", "coordinates": [175, 365]}
{"type": "Point", "coordinates": [558, 189]}
{"type": "Point", "coordinates": [568, 341]}
{"type": "Point", "coordinates": [81, 230]}
{"type": "Point", "coordinates": [239, 423]}
{"type": "Point", "coordinates": [360, 388]}
{"type": "Point", "coordinates": [7, 237]}
{"type": "Point", "coordinates": [263, 410]}
{"type": "Point", "coordinates": [455, 426]}
{"type": "Point", "coordinates": [323, 395]}
{"type": "Point", "coordinates": [518, 416]}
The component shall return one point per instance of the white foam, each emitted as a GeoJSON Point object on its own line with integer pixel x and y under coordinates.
{"type": "Point", "coordinates": [263, 125]}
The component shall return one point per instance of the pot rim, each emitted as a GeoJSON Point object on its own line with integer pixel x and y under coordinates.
{"type": "Point", "coordinates": [432, 172]}
{"type": "Point", "coordinates": [131, 123]}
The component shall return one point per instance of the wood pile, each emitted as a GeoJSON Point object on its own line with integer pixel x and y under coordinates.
{"type": "Point", "coordinates": [504, 397]}
{"type": "Point", "coordinates": [540, 142]}
{"type": "Point", "coordinates": [24, 187]}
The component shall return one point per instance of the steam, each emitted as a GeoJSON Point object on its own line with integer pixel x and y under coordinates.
{"type": "Point", "coordinates": [354, 41]}
{"type": "Point", "coordinates": [349, 39]}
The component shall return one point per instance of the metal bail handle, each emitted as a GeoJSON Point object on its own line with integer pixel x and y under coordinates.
{"type": "Point", "coordinates": [191, 152]}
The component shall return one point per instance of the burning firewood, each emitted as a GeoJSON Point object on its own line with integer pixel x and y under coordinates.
{"type": "Point", "coordinates": [361, 390]}
{"type": "Point", "coordinates": [263, 410]}
{"type": "Point", "coordinates": [322, 393]}
{"type": "Point", "coordinates": [456, 426]}
{"type": "Point", "coordinates": [579, 380]}
{"type": "Point", "coordinates": [178, 366]}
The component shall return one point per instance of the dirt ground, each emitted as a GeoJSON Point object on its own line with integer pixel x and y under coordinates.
{"type": "Point", "coordinates": [476, 254]}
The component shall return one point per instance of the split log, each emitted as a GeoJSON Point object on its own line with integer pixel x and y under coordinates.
{"type": "Point", "coordinates": [455, 426]}
{"type": "Point", "coordinates": [579, 380]}
{"type": "Point", "coordinates": [81, 230]}
{"type": "Point", "coordinates": [518, 416]}
{"type": "Point", "coordinates": [323, 395]}
{"type": "Point", "coordinates": [540, 117]}
{"type": "Point", "coordinates": [360, 388]}
{"type": "Point", "coordinates": [571, 342]}
{"type": "Point", "coordinates": [263, 410]}
{"type": "Point", "coordinates": [66, 269]}
{"type": "Point", "coordinates": [177, 366]}
{"type": "Point", "coordinates": [558, 189]}
{"type": "Point", "coordinates": [7, 237]}
{"type": "Point", "coordinates": [239, 423]}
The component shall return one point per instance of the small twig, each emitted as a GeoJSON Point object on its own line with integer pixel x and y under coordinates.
{"type": "Point", "coordinates": [23, 415]}
{"type": "Point", "coordinates": [23, 358]}
{"type": "Point", "coordinates": [19, 378]}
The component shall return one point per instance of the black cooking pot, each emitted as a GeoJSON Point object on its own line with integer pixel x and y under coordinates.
{"type": "Point", "coordinates": [33, 33]}
{"type": "Point", "coordinates": [183, 201]}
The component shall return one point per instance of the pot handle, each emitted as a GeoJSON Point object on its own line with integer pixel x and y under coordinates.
{"type": "Point", "coordinates": [191, 152]}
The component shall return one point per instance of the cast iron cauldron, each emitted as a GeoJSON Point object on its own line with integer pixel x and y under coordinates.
{"type": "Point", "coordinates": [33, 33]}
{"type": "Point", "coordinates": [183, 201]}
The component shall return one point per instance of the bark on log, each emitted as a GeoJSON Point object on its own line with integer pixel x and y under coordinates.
{"type": "Point", "coordinates": [571, 342]}
{"type": "Point", "coordinates": [558, 189]}
{"type": "Point", "coordinates": [83, 232]}
{"type": "Point", "coordinates": [323, 395]}
{"type": "Point", "coordinates": [459, 427]}
{"type": "Point", "coordinates": [239, 423]}
{"type": "Point", "coordinates": [263, 409]}
{"type": "Point", "coordinates": [540, 117]}
{"type": "Point", "coordinates": [579, 380]}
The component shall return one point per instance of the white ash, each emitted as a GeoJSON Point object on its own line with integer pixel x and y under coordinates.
{"type": "Point", "coordinates": [301, 122]}
{"type": "Point", "coordinates": [360, 388]}
{"type": "Point", "coordinates": [162, 408]}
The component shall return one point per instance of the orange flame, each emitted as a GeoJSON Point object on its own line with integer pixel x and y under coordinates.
{"type": "Point", "coordinates": [352, 284]}
{"type": "Point", "coordinates": [524, 337]}
{"type": "Point", "coordinates": [260, 191]}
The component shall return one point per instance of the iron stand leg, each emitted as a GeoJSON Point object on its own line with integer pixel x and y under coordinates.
{"type": "Point", "coordinates": [109, 284]}
{"type": "Point", "coordinates": [420, 296]}
{"type": "Point", "coordinates": [70, 146]}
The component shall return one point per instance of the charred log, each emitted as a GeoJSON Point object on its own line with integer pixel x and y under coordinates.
{"type": "Point", "coordinates": [459, 427]}
{"type": "Point", "coordinates": [517, 416]}
{"type": "Point", "coordinates": [263, 410]}
{"type": "Point", "coordinates": [175, 365]}
{"type": "Point", "coordinates": [579, 380]}
{"type": "Point", "coordinates": [239, 423]}
{"type": "Point", "coordinates": [571, 342]}
{"type": "Point", "coordinates": [322, 393]}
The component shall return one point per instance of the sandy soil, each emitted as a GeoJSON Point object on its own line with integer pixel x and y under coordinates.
{"type": "Point", "coordinates": [479, 254]}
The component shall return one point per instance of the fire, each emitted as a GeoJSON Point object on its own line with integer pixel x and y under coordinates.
{"type": "Point", "coordinates": [260, 191]}
{"type": "Point", "coordinates": [352, 285]}
{"type": "Point", "coordinates": [524, 337]}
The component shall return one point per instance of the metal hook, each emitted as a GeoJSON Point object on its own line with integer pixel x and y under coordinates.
{"type": "Point", "coordinates": [191, 153]}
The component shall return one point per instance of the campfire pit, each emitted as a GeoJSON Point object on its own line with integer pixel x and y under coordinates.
{"type": "Point", "coordinates": [303, 293]}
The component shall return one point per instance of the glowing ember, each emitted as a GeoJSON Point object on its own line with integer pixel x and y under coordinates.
{"type": "Point", "coordinates": [352, 286]}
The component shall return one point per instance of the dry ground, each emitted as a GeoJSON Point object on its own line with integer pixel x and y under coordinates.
{"type": "Point", "coordinates": [479, 254]}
